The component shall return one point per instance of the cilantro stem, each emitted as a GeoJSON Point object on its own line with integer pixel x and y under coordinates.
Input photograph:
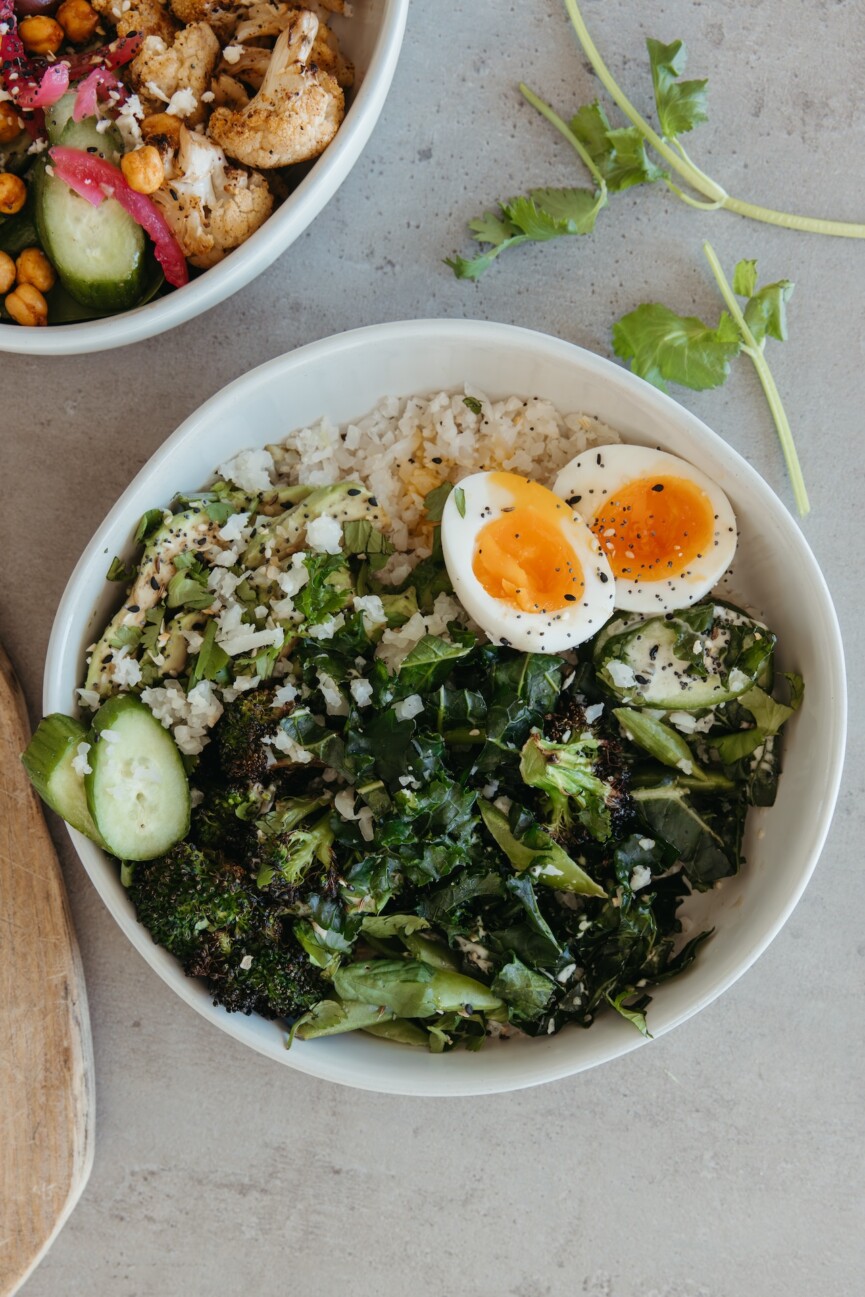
{"type": "Point", "coordinates": [753, 349]}
{"type": "Point", "coordinates": [682, 164]}
{"type": "Point", "coordinates": [562, 127]}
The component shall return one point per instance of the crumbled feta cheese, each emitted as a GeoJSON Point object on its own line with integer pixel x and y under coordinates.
{"type": "Point", "coordinates": [88, 698]}
{"type": "Point", "coordinates": [181, 104]}
{"type": "Point", "coordinates": [296, 578]}
{"type": "Point", "coordinates": [594, 713]}
{"type": "Point", "coordinates": [208, 97]}
{"type": "Point", "coordinates": [236, 528]}
{"type": "Point", "coordinates": [621, 674]}
{"type": "Point", "coordinates": [196, 797]}
{"type": "Point", "coordinates": [38, 146]}
{"type": "Point", "coordinates": [241, 685]}
{"type": "Point", "coordinates": [373, 610]}
{"type": "Point", "coordinates": [324, 535]}
{"type": "Point", "coordinates": [233, 53]}
{"type": "Point", "coordinates": [361, 692]}
{"type": "Point", "coordinates": [243, 641]}
{"type": "Point", "coordinates": [250, 470]}
{"type": "Point", "coordinates": [564, 973]}
{"type": "Point", "coordinates": [647, 843]}
{"type": "Point", "coordinates": [80, 764]}
{"type": "Point", "coordinates": [246, 963]}
{"type": "Point", "coordinates": [326, 629]}
{"type": "Point", "coordinates": [287, 745]}
{"type": "Point", "coordinates": [125, 671]}
{"type": "Point", "coordinates": [189, 716]}
{"type": "Point", "coordinates": [641, 877]}
{"type": "Point", "coordinates": [284, 694]}
{"type": "Point", "coordinates": [129, 114]}
{"type": "Point", "coordinates": [409, 707]}
{"type": "Point", "coordinates": [334, 703]}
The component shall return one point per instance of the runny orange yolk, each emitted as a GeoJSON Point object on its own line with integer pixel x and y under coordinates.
{"type": "Point", "coordinates": [523, 557]}
{"type": "Point", "coordinates": [654, 527]}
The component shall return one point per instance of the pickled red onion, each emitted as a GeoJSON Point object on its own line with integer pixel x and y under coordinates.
{"type": "Point", "coordinates": [95, 179]}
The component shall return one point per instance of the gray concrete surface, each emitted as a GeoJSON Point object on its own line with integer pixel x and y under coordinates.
{"type": "Point", "coordinates": [724, 1159]}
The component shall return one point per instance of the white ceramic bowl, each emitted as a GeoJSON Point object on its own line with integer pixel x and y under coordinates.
{"type": "Point", "coordinates": [776, 573]}
{"type": "Point", "coordinates": [371, 38]}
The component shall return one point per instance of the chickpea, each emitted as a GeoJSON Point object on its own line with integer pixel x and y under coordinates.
{"type": "Point", "coordinates": [7, 272]}
{"type": "Point", "coordinates": [34, 268]}
{"type": "Point", "coordinates": [143, 169]}
{"type": "Point", "coordinates": [10, 123]}
{"type": "Point", "coordinates": [27, 306]}
{"type": "Point", "coordinates": [78, 19]}
{"type": "Point", "coordinates": [41, 35]}
{"type": "Point", "coordinates": [13, 193]}
{"type": "Point", "coordinates": [165, 124]}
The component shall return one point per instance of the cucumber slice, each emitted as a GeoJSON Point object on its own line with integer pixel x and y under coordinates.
{"type": "Point", "coordinates": [137, 789]}
{"type": "Point", "coordinates": [691, 660]}
{"type": "Point", "coordinates": [58, 115]}
{"type": "Point", "coordinates": [48, 761]}
{"type": "Point", "coordinates": [98, 252]}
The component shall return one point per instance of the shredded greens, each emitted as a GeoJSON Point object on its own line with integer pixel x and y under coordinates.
{"type": "Point", "coordinates": [472, 840]}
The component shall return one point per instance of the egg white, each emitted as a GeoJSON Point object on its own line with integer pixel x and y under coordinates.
{"type": "Point", "coordinates": [587, 481]}
{"type": "Point", "coordinates": [551, 632]}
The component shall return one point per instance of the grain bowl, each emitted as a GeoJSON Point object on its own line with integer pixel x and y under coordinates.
{"type": "Point", "coordinates": [219, 198]}
{"type": "Point", "coordinates": [775, 576]}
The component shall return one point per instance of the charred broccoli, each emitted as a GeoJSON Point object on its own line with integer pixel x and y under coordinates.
{"type": "Point", "coordinates": [581, 775]}
{"type": "Point", "coordinates": [226, 818]}
{"type": "Point", "coordinates": [287, 853]}
{"type": "Point", "coordinates": [245, 723]}
{"type": "Point", "coordinates": [209, 913]}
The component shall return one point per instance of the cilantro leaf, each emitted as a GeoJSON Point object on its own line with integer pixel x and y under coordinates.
{"type": "Point", "coordinates": [665, 347]}
{"type": "Point", "coordinates": [681, 104]}
{"type": "Point", "coordinates": [548, 213]}
{"type": "Point", "coordinates": [745, 278]}
{"type": "Point", "coordinates": [537, 217]}
{"type": "Point", "coordinates": [620, 155]}
{"type": "Point", "coordinates": [766, 312]}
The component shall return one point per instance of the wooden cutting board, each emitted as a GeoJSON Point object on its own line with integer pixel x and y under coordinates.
{"type": "Point", "coordinates": [46, 1054]}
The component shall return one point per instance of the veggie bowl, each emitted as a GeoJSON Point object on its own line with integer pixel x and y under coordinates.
{"type": "Point", "coordinates": [478, 364]}
{"type": "Point", "coordinates": [154, 163]}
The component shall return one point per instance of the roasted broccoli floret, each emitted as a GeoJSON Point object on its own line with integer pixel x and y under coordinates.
{"type": "Point", "coordinates": [209, 913]}
{"type": "Point", "coordinates": [226, 818]}
{"type": "Point", "coordinates": [581, 775]}
{"type": "Point", "coordinates": [284, 858]}
{"type": "Point", "coordinates": [187, 892]}
{"type": "Point", "coordinates": [271, 976]}
{"type": "Point", "coordinates": [245, 723]}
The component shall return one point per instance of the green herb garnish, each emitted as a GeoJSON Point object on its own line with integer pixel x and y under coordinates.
{"type": "Point", "coordinates": [663, 347]}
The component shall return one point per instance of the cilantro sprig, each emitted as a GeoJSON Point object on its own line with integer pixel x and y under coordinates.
{"type": "Point", "coordinates": [619, 157]}
{"type": "Point", "coordinates": [662, 346]}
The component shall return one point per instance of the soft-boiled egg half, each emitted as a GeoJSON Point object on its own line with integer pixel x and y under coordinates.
{"type": "Point", "coordinates": [523, 564]}
{"type": "Point", "coordinates": [667, 530]}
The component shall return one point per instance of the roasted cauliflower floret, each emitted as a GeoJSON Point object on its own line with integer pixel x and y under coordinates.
{"type": "Point", "coordinates": [220, 14]}
{"type": "Point", "coordinates": [176, 74]}
{"type": "Point", "coordinates": [266, 18]}
{"type": "Point", "coordinates": [211, 207]}
{"type": "Point", "coordinates": [228, 92]}
{"type": "Point", "coordinates": [247, 64]}
{"type": "Point", "coordinates": [295, 114]}
{"type": "Point", "coordinates": [148, 17]}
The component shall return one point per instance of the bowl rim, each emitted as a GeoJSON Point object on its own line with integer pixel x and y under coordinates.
{"type": "Point", "coordinates": [467, 333]}
{"type": "Point", "coordinates": [275, 236]}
